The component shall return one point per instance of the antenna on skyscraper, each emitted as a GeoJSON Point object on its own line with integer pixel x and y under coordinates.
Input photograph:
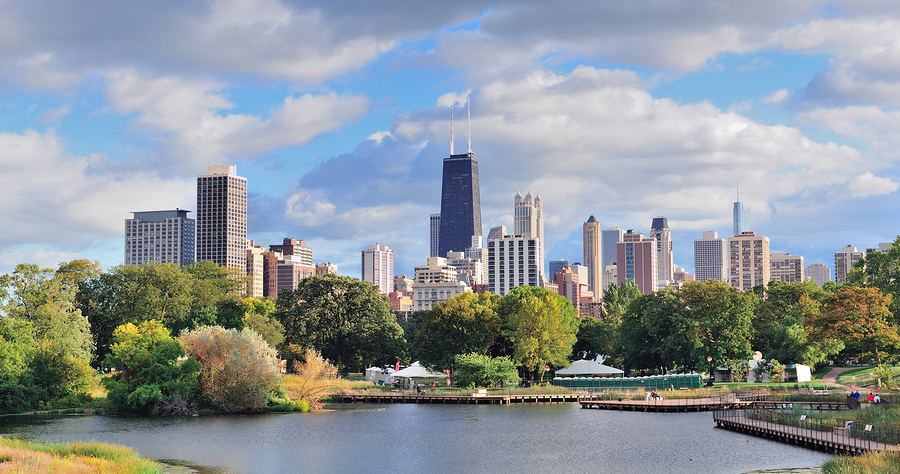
{"type": "Point", "coordinates": [451, 129]}
{"type": "Point", "coordinates": [469, 122]}
{"type": "Point", "coordinates": [738, 187]}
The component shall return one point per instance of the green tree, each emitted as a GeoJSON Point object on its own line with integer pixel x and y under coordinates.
{"type": "Point", "coordinates": [463, 324]}
{"type": "Point", "coordinates": [591, 340]}
{"type": "Point", "coordinates": [257, 315]}
{"type": "Point", "coordinates": [480, 370]}
{"type": "Point", "coordinates": [724, 318]}
{"type": "Point", "coordinates": [343, 318]}
{"type": "Point", "coordinates": [880, 270]}
{"type": "Point", "coordinates": [151, 374]}
{"type": "Point", "coordinates": [540, 326]}
{"type": "Point", "coordinates": [856, 316]}
{"type": "Point", "coordinates": [16, 353]}
{"type": "Point", "coordinates": [659, 334]}
{"type": "Point", "coordinates": [411, 325]}
{"type": "Point", "coordinates": [778, 329]}
{"type": "Point", "coordinates": [615, 303]}
{"type": "Point", "coordinates": [240, 371]}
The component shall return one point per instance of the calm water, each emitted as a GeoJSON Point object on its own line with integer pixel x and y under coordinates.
{"type": "Point", "coordinates": [433, 438]}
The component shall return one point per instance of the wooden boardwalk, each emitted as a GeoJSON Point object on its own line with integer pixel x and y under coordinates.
{"type": "Point", "coordinates": [454, 399]}
{"type": "Point", "coordinates": [667, 405]}
{"type": "Point", "coordinates": [837, 440]}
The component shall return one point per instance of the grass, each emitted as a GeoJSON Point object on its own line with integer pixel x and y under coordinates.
{"type": "Point", "coordinates": [873, 462]}
{"type": "Point", "coordinates": [24, 456]}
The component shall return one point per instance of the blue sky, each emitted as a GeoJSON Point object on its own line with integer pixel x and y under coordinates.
{"type": "Point", "coordinates": [338, 115]}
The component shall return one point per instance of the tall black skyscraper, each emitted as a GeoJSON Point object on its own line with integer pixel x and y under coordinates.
{"type": "Point", "coordinates": [460, 200]}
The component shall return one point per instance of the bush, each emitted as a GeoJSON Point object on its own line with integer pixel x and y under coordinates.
{"type": "Point", "coordinates": [151, 371]}
{"type": "Point", "coordinates": [315, 378]}
{"type": "Point", "coordinates": [240, 370]}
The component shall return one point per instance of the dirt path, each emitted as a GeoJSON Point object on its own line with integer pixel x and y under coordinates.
{"type": "Point", "coordinates": [830, 378]}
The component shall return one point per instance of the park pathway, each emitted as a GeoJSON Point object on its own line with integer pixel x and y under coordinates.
{"type": "Point", "coordinates": [830, 379]}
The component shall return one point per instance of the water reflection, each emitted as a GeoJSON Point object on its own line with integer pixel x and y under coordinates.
{"type": "Point", "coordinates": [432, 438]}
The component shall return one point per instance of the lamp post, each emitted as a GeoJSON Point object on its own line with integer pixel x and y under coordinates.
{"type": "Point", "coordinates": [710, 382]}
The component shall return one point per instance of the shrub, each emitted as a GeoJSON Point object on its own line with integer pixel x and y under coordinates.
{"type": "Point", "coordinates": [315, 378]}
{"type": "Point", "coordinates": [240, 370]}
{"type": "Point", "coordinates": [151, 370]}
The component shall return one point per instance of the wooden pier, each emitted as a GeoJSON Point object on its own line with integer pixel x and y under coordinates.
{"type": "Point", "coordinates": [454, 399]}
{"type": "Point", "coordinates": [833, 440]}
{"type": "Point", "coordinates": [667, 405]}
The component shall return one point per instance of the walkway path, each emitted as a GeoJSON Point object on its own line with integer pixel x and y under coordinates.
{"type": "Point", "coordinates": [830, 379]}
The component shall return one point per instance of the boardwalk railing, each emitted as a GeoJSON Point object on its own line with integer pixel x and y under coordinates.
{"type": "Point", "coordinates": [802, 429]}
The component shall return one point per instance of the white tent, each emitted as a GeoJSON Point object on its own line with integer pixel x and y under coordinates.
{"type": "Point", "coordinates": [590, 367]}
{"type": "Point", "coordinates": [416, 371]}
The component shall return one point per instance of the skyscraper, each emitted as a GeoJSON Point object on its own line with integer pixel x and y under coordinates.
{"type": "Point", "coordinates": [636, 261]}
{"type": "Point", "coordinates": [710, 257]}
{"type": "Point", "coordinates": [296, 248]}
{"type": "Point", "coordinates": [159, 237]}
{"type": "Point", "coordinates": [591, 242]}
{"type": "Point", "coordinates": [611, 236]}
{"type": "Point", "coordinates": [378, 267]}
{"type": "Point", "coordinates": [528, 218]}
{"type": "Point", "coordinates": [435, 234]}
{"type": "Point", "coordinates": [513, 260]}
{"type": "Point", "coordinates": [748, 261]}
{"type": "Point", "coordinates": [222, 217]}
{"type": "Point", "coordinates": [659, 230]}
{"type": "Point", "coordinates": [256, 270]}
{"type": "Point", "coordinates": [460, 200]}
{"type": "Point", "coordinates": [556, 265]}
{"type": "Point", "coordinates": [741, 218]}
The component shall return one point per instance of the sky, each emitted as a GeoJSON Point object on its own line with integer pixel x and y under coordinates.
{"type": "Point", "coordinates": [337, 113]}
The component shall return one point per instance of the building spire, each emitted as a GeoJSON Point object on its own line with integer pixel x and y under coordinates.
{"type": "Point", "coordinates": [451, 129]}
{"type": "Point", "coordinates": [738, 188]}
{"type": "Point", "coordinates": [469, 122]}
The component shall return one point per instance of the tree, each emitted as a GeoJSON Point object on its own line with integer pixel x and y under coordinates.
{"type": "Point", "coordinates": [466, 323]}
{"type": "Point", "coordinates": [778, 329]}
{"type": "Point", "coordinates": [724, 318]}
{"type": "Point", "coordinates": [239, 369]}
{"type": "Point", "coordinates": [658, 333]}
{"type": "Point", "coordinates": [480, 370]}
{"type": "Point", "coordinates": [16, 353]}
{"type": "Point", "coordinates": [615, 303]}
{"type": "Point", "coordinates": [540, 326]}
{"type": "Point", "coordinates": [411, 325]}
{"type": "Point", "coordinates": [257, 315]}
{"type": "Point", "coordinates": [856, 315]}
{"type": "Point", "coordinates": [880, 270]}
{"type": "Point", "coordinates": [343, 318]}
{"type": "Point", "coordinates": [151, 376]}
{"type": "Point", "coordinates": [591, 340]}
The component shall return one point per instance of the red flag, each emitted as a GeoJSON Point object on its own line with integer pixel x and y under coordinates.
{"type": "Point", "coordinates": [397, 366]}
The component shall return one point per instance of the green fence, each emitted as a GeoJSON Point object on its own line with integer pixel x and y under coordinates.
{"type": "Point", "coordinates": [655, 382]}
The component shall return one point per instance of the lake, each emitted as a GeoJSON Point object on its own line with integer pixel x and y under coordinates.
{"type": "Point", "coordinates": [410, 438]}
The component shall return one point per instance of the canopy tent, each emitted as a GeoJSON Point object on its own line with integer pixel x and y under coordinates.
{"type": "Point", "coordinates": [416, 371]}
{"type": "Point", "coordinates": [590, 367]}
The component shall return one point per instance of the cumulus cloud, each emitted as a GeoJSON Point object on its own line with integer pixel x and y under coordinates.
{"type": "Point", "coordinates": [775, 97]}
{"type": "Point", "coordinates": [867, 184]}
{"type": "Point", "coordinates": [872, 125]}
{"type": "Point", "coordinates": [55, 114]}
{"type": "Point", "coordinates": [593, 141]}
{"type": "Point", "coordinates": [69, 203]}
{"type": "Point", "coordinates": [185, 118]}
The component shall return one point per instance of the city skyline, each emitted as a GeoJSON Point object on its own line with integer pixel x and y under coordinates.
{"type": "Point", "coordinates": [339, 120]}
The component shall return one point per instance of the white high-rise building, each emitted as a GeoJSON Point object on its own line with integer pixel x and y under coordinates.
{"type": "Point", "coordinates": [710, 257]}
{"type": "Point", "coordinates": [159, 237]}
{"type": "Point", "coordinates": [255, 269]}
{"type": "Point", "coordinates": [659, 230]}
{"type": "Point", "coordinates": [513, 260]}
{"type": "Point", "coordinates": [378, 267]}
{"type": "Point", "coordinates": [222, 217]}
{"type": "Point", "coordinates": [435, 234]}
{"type": "Point", "coordinates": [529, 219]}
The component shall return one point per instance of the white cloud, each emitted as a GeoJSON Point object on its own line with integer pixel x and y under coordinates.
{"type": "Point", "coordinates": [867, 184]}
{"type": "Point", "coordinates": [877, 127]}
{"type": "Point", "coordinates": [55, 115]}
{"type": "Point", "coordinates": [775, 97]}
{"type": "Point", "coordinates": [184, 118]}
{"type": "Point", "coordinates": [67, 202]}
